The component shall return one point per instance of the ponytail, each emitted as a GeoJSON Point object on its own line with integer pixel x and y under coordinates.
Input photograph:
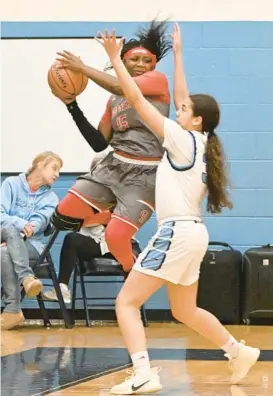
{"type": "Point", "coordinates": [205, 106]}
{"type": "Point", "coordinates": [217, 180]}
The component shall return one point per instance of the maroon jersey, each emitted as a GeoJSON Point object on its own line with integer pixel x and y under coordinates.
{"type": "Point", "coordinates": [130, 134]}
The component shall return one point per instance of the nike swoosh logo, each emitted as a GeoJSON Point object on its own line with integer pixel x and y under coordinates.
{"type": "Point", "coordinates": [136, 388]}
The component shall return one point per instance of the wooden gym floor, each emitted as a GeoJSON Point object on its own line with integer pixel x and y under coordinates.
{"type": "Point", "coordinates": [82, 361]}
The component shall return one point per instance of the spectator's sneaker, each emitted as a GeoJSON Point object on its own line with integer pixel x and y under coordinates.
{"type": "Point", "coordinates": [10, 320]}
{"type": "Point", "coordinates": [240, 366]}
{"type": "Point", "coordinates": [32, 286]}
{"type": "Point", "coordinates": [138, 383]}
{"type": "Point", "coordinates": [51, 295]}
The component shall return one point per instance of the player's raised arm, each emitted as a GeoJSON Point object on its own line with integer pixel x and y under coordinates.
{"type": "Point", "coordinates": [153, 84]}
{"type": "Point", "coordinates": [180, 88]}
{"type": "Point", "coordinates": [147, 112]}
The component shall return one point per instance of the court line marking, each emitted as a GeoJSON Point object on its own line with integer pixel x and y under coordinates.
{"type": "Point", "coordinates": [79, 381]}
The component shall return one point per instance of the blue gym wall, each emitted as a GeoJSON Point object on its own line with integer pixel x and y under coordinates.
{"type": "Point", "coordinates": [234, 62]}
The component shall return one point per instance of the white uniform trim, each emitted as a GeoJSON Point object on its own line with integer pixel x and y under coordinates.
{"type": "Point", "coordinates": [85, 200]}
{"type": "Point", "coordinates": [146, 203]}
{"type": "Point", "coordinates": [125, 221]}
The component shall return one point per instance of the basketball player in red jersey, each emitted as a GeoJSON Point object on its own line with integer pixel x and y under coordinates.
{"type": "Point", "coordinates": [125, 178]}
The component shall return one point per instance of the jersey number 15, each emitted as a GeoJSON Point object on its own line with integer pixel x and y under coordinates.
{"type": "Point", "coordinates": [122, 123]}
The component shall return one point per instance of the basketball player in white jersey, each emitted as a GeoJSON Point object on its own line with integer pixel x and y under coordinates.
{"type": "Point", "coordinates": [192, 167]}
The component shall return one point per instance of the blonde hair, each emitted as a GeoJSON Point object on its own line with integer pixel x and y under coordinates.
{"type": "Point", "coordinates": [46, 157]}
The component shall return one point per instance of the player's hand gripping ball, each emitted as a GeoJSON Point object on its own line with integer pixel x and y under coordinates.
{"type": "Point", "coordinates": [65, 83]}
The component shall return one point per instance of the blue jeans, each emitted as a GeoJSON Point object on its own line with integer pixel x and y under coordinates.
{"type": "Point", "coordinates": [15, 258]}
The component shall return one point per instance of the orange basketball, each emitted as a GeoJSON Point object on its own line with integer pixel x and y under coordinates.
{"type": "Point", "coordinates": [65, 82]}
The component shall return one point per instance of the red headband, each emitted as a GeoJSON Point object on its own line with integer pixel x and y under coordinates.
{"type": "Point", "coordinates": [142, 51]}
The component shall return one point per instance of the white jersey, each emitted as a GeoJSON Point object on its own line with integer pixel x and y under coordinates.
{"type": "Point", "coordinates": [181, 175]}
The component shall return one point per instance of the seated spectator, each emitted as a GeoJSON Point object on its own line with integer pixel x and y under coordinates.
{"type": "Point", "coordinates": [85, 245]}
{"type": "Point", "coordinates": [27, 203]}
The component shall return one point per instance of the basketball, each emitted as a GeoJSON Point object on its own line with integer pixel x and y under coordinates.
{"type": "Point", "coordinates": [64, 82]}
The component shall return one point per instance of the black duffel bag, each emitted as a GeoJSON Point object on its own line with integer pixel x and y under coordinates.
{"type": "Point", "coordinates": [219, 289]}
{"type": "Point", "coordinates": [258, 283]}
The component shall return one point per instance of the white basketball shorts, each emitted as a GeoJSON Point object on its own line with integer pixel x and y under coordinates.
{"type": "Point", "coordinates": [175, 252]}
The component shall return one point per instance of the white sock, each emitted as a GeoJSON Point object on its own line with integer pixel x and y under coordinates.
{"type": "Point", "coordinates": [141, 362]}
{"type": "Point", "coordinates": [231, 347]}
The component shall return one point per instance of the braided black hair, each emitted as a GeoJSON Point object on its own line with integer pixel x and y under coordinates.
{"type": "Point", "coordinates": [153, 38]}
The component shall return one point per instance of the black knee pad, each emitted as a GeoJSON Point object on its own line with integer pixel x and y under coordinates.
{"type": "Point", "coordinates": [66, 223]}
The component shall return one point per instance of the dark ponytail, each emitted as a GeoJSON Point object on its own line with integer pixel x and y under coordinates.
{"type": "Point", "coordinates": [206, 107]}
{"type": "Point", "coordinates": [217, 180]}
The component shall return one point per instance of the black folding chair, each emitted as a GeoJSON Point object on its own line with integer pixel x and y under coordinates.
{"type": "Point", "coordinates": [44, 268]}
{"type": "Point", "coordinates": [98, 267]}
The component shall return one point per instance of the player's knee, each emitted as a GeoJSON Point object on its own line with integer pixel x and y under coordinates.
{"type": "Point", "coordinates": [119, 303]}
{"type": "Point", "coordinates": [124, 303]}
{"type": "Point", "coordinates": [65, 223]}
{"type": "Point", "coordinates": [10, 232]}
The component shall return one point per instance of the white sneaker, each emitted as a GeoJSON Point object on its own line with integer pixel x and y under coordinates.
{"type": "Point", "coordinates": [51, 295]}
{"type": "Point", "coordinates": [240, 366]}
{"type": "Point", "coordinates": [236, 391]}
{"type": "Point", "coordinates": [137, 384]}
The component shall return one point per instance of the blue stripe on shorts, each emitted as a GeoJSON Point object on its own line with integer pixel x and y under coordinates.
{"type": "Point", "coordinates": [156, 256]}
